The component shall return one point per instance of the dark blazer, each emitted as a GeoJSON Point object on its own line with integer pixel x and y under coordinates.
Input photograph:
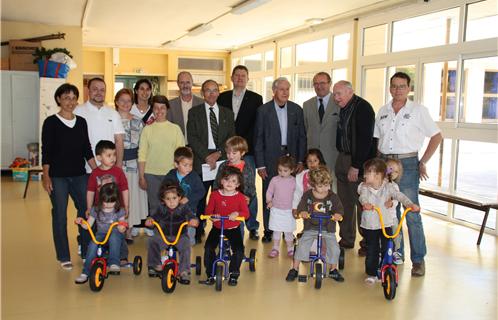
{"type": "Point", "coordinates": [175, 112]}
{"type": "Point", "coordinates": [267, 138]}
{"type": "Point", "coordinates": [246, 118]}
{"type": "Point", "coordinates": [197, 133]}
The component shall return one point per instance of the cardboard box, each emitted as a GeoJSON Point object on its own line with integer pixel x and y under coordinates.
{"type": "Point", "coordinates": [21, 55]}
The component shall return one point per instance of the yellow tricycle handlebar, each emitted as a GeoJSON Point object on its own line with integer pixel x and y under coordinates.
{"type": "Point", "coordinates": [206, 216]}
{"type": "Point", "coordinates": [158, 227]}
{"type": "Point", "coordinates": [92, 235]}
{"type": "Point", "coordinates": [399, 225]}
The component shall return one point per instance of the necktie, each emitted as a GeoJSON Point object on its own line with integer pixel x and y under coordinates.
{"type": "Point", "coordinates": [214, 125]}
{"type": "Point", "coordinates": [321, 110]}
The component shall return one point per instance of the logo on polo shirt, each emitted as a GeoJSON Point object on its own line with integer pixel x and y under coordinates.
{"type": "Point", "coordinates": [407, 116]}
{"type": "Point", "coordinates": [383, 117]}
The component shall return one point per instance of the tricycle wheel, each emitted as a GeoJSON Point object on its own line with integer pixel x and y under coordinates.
{"type": "Point", "coordinates": [318, 275]}
{"type": "Point", "coordinates": [389, 284]}
{"type": "Point", "coordinates": [137, 265]}
{"type": "Point", "coordinates": [252, 260]}
{"type": "Point", "coordinates": [341, 259]}
{"type": "Point", "coordinates": [219, 277]}
{"type": "Point", "coordinates": [97, 276]}
{"type": "Point", "coordinates": [168, 278]}
{"type": "Point", "coordinates": [198, 265]}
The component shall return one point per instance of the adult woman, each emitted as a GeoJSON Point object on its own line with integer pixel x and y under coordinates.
{"type": "Point", "coordinates": [133, 126]}
{"type": "Point", "coordinates": [65, 146]}
{"type": "Point", "coordinates": [158, 143]}
{"type": "Point", "coordinates": [142, 98]}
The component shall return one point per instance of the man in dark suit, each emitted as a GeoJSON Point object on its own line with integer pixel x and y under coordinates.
{"type": "Point", "coordinates": [208, 128]}
{"type": "Point", "coordinates": [279, 131]}
{"type": "Point", "coordinates": [180, 106]}
{"type": "Point", "coordinates": [244, 104]}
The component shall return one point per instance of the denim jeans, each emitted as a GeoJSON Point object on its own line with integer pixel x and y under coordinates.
{"type": "Point", "coordinates": [409, 185]}
{"type": "Point", "coordinates": [63, 188]}
{"type": "Point", "coordinates": [114, 245]}
{"type": "Point", "coordinates": [252, 223]}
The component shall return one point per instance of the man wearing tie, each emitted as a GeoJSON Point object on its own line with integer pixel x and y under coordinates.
{"type": "Point", "coordinates": [279, 131]}
{"type": "Point", "coordinates": [208, 128]}
{"type": "Point", "coordinates": [320, 120]}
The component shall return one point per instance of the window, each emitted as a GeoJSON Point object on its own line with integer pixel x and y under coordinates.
{"type": "Point", "coordinates": [268, 93]}
{"type": "Point", "coordinates": [269, 60]}
{"type": "Point", "coordinates": [304, 87]}
{"type": "Point", "coordinates": [253, 62]}
{"type": "Point", "coordinates": [311, 52]}
{"type": "Point", "coordinates": [480, 90]}
{"type": "Point", "coordinates": [375, 40]}
{"type": "Point", "coordinates": [339, 74]}
{"type": "Point", "coordinates": [434, 29]}
{"type": "Point", "coordinates": [439, 88]}
{"type": "Point", "coordinates": [375, 87]}
{"type": "Point", "coordinates": [286, 57]}
{"type": "Point", "coordinates": [482, 19]}
{"type": "Point", "coordinates": [341, 46]}
{"type": "Point", "coordinates": [409, 70]}
{"type": "Point", "coordinates": [477, 174]}
{"type": "Point", "coordinates": [235, 62]}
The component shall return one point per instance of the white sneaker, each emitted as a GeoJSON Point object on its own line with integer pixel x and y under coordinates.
{"type": "Point", "coordinates": [79, 249]}
{"type": "Point", "coordinates": [82, 278]}
{"type": "Point", "coordinates": [397, 258]}
{"type": "Point", "coordinates": [134, 231]}
{"type": "Point", "coordinates": [114, 268]}
{"type": "Point", "coordinates": [149, 232]}
{"type": "Point", "coordinates": [371, 280]}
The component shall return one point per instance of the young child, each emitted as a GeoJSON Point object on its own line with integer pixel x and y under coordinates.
{"type": "Point", "coordinates": [236, 147]}
{"type": "Point", "coordinates": [107, 172]}
{"type": "Point", "coordinates": [226, 201]}
{"type": "Point", "coordinates": [393, 174]}
{"type": "Point", "coordinates": [170, 215]}
{"type": "Point", "coordinates": [279, 200]}
{"type": "Point", "coordinates": [313, 159]}
{"type": "Point", "coordinates": [106, 212]}
{"type": "Point", "coordinates": [189, 181]}
{"type": "Point", "coordinates": [376, 191]}
{"type": "Point", "coordinates": [319, 197]}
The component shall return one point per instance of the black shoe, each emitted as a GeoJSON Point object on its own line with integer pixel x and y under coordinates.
{"type": "Point", "coordinates": [267, 236]}
{"type": "Point", "coordinates": [184, 281]}
{"type": "Point", "coordinates": [209, 281]}
{"type": "Point", "coordinates": [232, 281]}
{"type": "Point", "coordinates": [345, 245]}
{"type": "Point", "coordinates": [292, 275]}
{"type": "Point", "coordinates": [334, 274]}
{"type": "Point", "coordinates": [153, 272]}
{"type": "Point", "coordinates": [362, 252]}
{"type": "Point", "coordinates": [253, 234]}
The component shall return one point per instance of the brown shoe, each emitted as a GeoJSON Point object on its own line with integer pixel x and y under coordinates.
{"type": "Point", "coordinates": [362, 252]}
{"type": "Point", "coordinates": [418, 269]}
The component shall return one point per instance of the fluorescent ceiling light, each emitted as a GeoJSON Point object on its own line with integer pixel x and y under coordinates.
{"type": "Point", "coordinates": [313, 21]}
{"type": "Point", "coordinates": [167, 43]}
{"type": "Point", "coordinates": [198, 29]}
{"type": "Point", "coordinates": [247, 5]}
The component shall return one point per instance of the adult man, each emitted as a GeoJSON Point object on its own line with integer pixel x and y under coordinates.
{"type": "Point", "coordinates": [180, 106]}
{"type": "Point", "coordinates": [401, 126]}
{"type": "Point", "coordinates": [104, 123]}
{"type": "Point", "coordinates": [244, 104]}
{"type": "Point", "coordinates": [208, 128]}
{"type": "Point", "coordinates": [279, 131]}
{"type": "Point", "coordinates": [320, 120]}
{"type": "Point", "coordinates": [355, 144]}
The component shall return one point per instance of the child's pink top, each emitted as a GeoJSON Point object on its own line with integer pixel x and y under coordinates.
{"type": "Point", "coordinates": [281, 192]}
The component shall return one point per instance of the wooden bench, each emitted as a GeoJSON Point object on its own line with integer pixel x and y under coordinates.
{"type": "Point", "coordinates": [466, 200]}
{"type": "Point", "coordinates": [31, 171]}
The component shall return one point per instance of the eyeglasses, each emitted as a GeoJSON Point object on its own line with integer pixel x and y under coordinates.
{"type": "Point", "coordinates": [400, 87]}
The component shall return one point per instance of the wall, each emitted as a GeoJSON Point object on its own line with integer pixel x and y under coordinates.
{"type": "Point", "coordinates": [73, 42]}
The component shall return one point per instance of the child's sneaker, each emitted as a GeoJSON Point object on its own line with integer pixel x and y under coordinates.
{"type": "Point", "coordinates": [149, 232]}
{"type": "Point", "coordinates": [184, 278]}
{"type": "Point", "coordinates": [134, 232]}
{"type": "Point", "coordinates": [371, 280]}
{"type": "Point", "coordinates": [66, 265]}
{"type": "Point", "coordinates": [398, 258]}
{"type": "Point", "coordinates": [232, 280]}
{"type": "Point", "coordinates": [334, 274]}
{"type": "Point", "coordinates": [82, 278]}
{"type": "Point", "coordinates": [209, 281]}
{"type": "Point", "coordinates": [292, 275]}
{"type": "Point", "coordinates": [273, 253]}
{"type": "Point", "coordinates": [114, 269]}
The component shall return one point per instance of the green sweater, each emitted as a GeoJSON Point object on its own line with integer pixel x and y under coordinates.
{"type": "Point", "coordinates": [158, 143]}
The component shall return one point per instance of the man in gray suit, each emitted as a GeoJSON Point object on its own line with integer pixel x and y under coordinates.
{"type": "Point", "coordinates": [179, 107]}
{"type": "Point", "coordinates": [279, 131]}
{"type": "Point", "coordinates": [320, 120]}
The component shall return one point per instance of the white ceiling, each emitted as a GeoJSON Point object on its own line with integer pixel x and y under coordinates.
{"type": "Point", "coordinates": [149, 23]}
